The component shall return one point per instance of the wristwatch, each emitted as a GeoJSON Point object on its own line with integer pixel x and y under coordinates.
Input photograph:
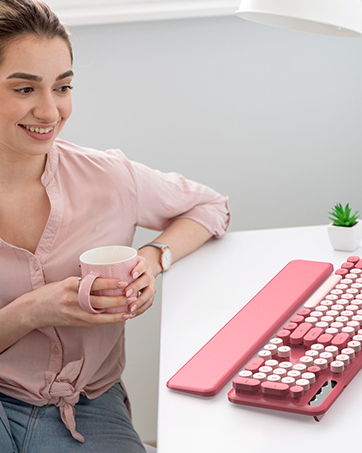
{"type": "Point", "coordinates": [166, 254]}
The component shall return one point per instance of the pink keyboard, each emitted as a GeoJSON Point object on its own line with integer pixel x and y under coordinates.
{"type": "Point", "coordinates": [294, 347]}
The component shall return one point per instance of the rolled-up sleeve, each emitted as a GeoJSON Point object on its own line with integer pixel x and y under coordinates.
{"type": "Point", "coordinates": [163, 197]}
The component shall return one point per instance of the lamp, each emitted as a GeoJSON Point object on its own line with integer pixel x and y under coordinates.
{"type": "Point", "coordinates": [324, 17]}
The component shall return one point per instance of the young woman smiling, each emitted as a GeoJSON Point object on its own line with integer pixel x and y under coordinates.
{"type": "Point", "coordinates": [60, 367]}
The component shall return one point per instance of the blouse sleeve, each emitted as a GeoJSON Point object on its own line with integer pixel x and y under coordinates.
{"type": "Point", "coordinates": [163, 197]}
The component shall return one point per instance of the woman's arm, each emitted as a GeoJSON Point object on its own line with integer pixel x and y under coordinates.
{"type": "Point", "coordinates": [183, 236]}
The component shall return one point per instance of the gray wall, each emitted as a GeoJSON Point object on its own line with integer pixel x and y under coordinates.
{"type": "Point", "coordinates": [267, 116]}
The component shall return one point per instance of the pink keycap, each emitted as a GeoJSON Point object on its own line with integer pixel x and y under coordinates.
{"type": "Point", "coordinates": [297, 336]}
{"type": "Point", "coordinates": [255, 364]}
{"type": "Point", "coordinates": [246, 384]}
{"type": "Point", "coordinates": [325, 339]}
{"type": "Point", "coordinates": [342, 272]}
{"type": "Point", "coordinates": [353, 259]}
{"type": "Point", "coordinates": [297, 319]}
{"type": "Point", "coordinates": [303, 312]}
{"type": "Point", "coordinates": [296, 391]}
{"type": "Point", "coordinates": [347, 265]}
{"type": "Point", "coordinates": [340, 340]}
{"type": "Point", "coordinates": [275, 388]}
{"type": "Point", "coordinates": [312, 336]}
{"type": "Point", "coordinates": [284, 335]}
{"type": "Point", "coordinates": [291, 326]}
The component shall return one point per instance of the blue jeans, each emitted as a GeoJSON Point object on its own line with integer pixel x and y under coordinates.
{"type": "Point", "coordinates": [104, 422]}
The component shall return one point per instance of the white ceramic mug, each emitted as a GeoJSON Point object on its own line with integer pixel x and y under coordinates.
{"type": "Point", "coordinates": [114, 261]}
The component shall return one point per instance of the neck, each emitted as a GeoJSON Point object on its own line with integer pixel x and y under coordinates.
{"type": "Point", "coordinates": [19, 170]}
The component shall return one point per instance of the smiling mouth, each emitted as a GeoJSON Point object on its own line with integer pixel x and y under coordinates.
{"type": "Point", "coordinates": [38, 130]}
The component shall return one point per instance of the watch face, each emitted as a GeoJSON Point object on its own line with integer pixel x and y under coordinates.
{"type": "Point", "coordinates": [166, 259]}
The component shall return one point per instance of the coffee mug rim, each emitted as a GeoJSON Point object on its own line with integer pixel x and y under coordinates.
{"type": "Point", "coordinates": [81, 259]}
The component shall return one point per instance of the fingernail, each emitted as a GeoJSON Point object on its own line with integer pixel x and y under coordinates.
{"type": "Point", "coordinates": [135, 275]}
{"type": "Point", "coordinates": [129, 292]}
{"type": "Point", "coordinates": [131, 299]}
{"type": "Point", "coordinates": [121, 284]}
{"type": "Point", "coordinates": [133, 308]}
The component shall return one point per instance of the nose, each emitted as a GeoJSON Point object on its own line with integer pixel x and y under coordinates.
{"type": "Point", "coordinates": [46, 108]}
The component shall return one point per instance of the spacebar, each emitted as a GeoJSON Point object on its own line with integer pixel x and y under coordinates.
{"type": "Point", "coordinates": [217, 362]}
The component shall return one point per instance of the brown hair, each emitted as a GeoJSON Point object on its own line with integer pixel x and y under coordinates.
{"type": "Point", "coordinates": [20, 18]}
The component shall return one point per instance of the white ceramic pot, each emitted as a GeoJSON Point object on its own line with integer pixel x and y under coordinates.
{"type": "Point", "coordinates": [345, 238]}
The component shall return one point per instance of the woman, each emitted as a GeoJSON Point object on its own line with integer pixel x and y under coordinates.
{"type": "Point", "coordinates": [60, 366]}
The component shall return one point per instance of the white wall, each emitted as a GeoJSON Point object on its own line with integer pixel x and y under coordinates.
{"type": "Point", "coordinates": [267, 116]}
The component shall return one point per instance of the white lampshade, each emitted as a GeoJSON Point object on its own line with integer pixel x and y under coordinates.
{"type": "Point", "coordinates": [324, 17]}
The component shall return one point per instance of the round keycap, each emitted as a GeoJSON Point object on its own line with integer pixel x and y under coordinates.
{"type": "Point", "coordinates": [332, 349]}
{"type": "Point", "coordinates": [284, 351]}
{"type": "Point", "coordinates": [355, 345]}
{"type": "Point", "coordinates": [294, 374]}
{"type": "Point", "coordinates": [328, 356]}
{"type": "Point", "coordinates": [304, 383]}
{"type": "Point", "coordinates": [343, 358]}
{"type": "Point", "coordinates": [310, 377]}
{"type": "Point", "coordinates": [272, 363]}
{"type": "Point", "coordinates": [267, 370]}
{"type": "Point", "coordinates": [280, 372]}
{"type": "Point", "coordinates": [274, 378]}
{"type": "Point", "coordinates": [350, 352]}
{"type": "Point", "coordinates": [321, 363]}
{"type": "Point", "coordinates": [260, 376]}
{"type": "Point", "coordinates": [337, 366]}
{"type": "Point", "coordinates": [296, 391]}
{"type": "Point", "coordinates": [288, 380]}
{"type": "Point", "coordinates": [287, 366]}
{"type": "Point", "coordinates": [245, 374]}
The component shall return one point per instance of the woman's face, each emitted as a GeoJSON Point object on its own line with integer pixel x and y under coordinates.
{"type": "Point", "coordinates": [35, 94]}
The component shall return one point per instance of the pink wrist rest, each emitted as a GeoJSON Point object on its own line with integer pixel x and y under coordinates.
{"type": "Point", "coordinates": [221, 357]}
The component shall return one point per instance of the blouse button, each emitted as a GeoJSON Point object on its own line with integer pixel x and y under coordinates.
{"type": "Point", "coordinates": [36, 267]}
{"type": "Point", "coordinates": [55, 350]}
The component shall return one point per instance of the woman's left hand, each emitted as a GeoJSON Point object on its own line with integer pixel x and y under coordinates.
{"type": "Point", "coordinates": [144, 285]}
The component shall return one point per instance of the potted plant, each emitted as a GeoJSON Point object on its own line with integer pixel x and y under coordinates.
{"type": "Point", "coordinates": [345, 231]}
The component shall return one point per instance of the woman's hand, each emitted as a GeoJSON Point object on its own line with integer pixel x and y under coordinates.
{"type": "Point", "coordinates": [144, 285]}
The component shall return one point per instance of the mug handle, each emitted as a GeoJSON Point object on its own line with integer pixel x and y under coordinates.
{"type": "Point", "coordinates": [84, 293]}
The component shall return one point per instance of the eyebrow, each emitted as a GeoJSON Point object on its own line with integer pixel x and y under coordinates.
{"type": "Point", "coordinates": [35, 78]}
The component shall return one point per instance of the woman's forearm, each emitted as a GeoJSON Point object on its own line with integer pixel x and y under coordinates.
{"type": "Point", "coordinates": [183, 236]}
{"type": "Point", "coordinates": [15, 322]}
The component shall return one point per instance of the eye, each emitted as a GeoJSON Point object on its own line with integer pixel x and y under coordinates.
{"type": "Point", "coordinates": [64, 89]}
{"type": "Point", "coordinates": [25, 90]}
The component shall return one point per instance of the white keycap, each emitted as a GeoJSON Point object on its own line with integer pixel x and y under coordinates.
{"type": "Point", "coordinates": [266, 355]}
{"type": "Point", "coordinates": [287, 366]}
{"type": "Point", "coordinates": [317, 347]}
{"type": "Point", "coordinates": [288, 380]}
{"type": "Point", "coordinates": [312, 353]}
{"type": "Point", "coordinates": [322, 363]}
{"type": "Point", "coordinates": [348, 314]}
{"type": "Point", "coordinates": [284, 351]}
{"type": "Point", "coordinates": [332, 349]}
{"type": "Point", "coordinates": [272, 348]}
{"type": "Point", "coordinates": [322, 325]}
{"type": "Point", "coordinates": [350, 352]}
{"type": "Point", "coordinates": [272, 363]}
{"type": "Point", "coordinates": [276, 341]}
{"type": "Point", "coordinates": [343, 358]}
{"type": "Point", "coordinates": [267, 370]}
{"type": "Point", "coordinates": [336, 292]}
{"type": "Point", "coordinates": [327, 356]}
{"type": "Point", "coordinates": [350, 330]}
{"type": "Point", "coordinates": [280, 372]}
{"type": "Point", "coordinates": [294, 374]}
{"type": "Point", "coordinates": [321, 308]}
{"type": "Point", "coordinates": [352, 290]}
{"type": "Point", "coordinates": [332, 297]}
{"type": "Point", "coordinates": [354, 324]}
{"type": "Point", "coordinates": [327, 303]}
{"type": "Point", "coordinates": [311, 320]}
{"type": "Point", "coordinates": [337, 308]}
{"type": "Point", "coordinates": [303, 383]}
{"type": "Point", "coordinates": [327, 319]}
{"type": "Point", "coordinates": [332, 331]}
{"type": "Point", "coordinates": [357, 338]}
{"type": "Point", "coordinates": [260, 376]}
{"type": "Point", "coordinates": [337, 325]}
{"type": "Point", "coordinates": [337, 366]}
{"type": "Point", "coordinates": [342, 287]}
{"type": "Point", "coordinates": [346, 281]}
{"type": "Point", "coordinates": [355, 271]}
{"type": "Point", "coordinates": [353, 308]}
{"type": "Point", "coordinates": [301, 367]}
{"type": "Point", "coordinates": [274, 378]}
{"type": "Point", "coordinates": [310, 377]}
{"type": "Point", "coordinates": [307, 361]}
{"type": "Point", "coordinates": [245, 373]}
{"type": "Point", "coordinates": [342, 319]}
{"type": "Point", "coordinates": [355, 345]}
{"type": "Point", "coordinates": [347, 296]}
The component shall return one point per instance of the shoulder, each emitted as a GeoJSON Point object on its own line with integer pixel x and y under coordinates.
{"type": "Point", "coordinates": [77, 158]}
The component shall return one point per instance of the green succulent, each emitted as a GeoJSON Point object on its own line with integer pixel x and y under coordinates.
{"type": "Point", "coordinates": [342, 216]}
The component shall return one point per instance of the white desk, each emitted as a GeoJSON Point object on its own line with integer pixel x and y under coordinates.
{"type": "Point", "coordinates": [200, 294]}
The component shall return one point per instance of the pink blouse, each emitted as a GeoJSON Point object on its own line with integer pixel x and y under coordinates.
{"type": "Point", "coordinates": [97, 198]}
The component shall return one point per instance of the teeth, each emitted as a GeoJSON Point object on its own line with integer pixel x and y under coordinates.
{"type": "Point", "coordinates": [39, 130]}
